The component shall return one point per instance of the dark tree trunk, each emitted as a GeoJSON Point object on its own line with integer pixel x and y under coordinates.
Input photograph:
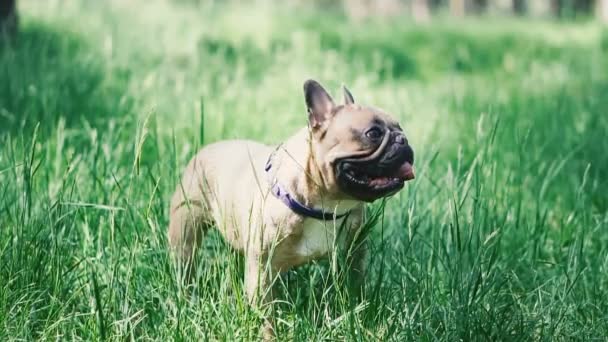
{"type": "Point", "coordinates": [569, 8]}
{"type": "Point", "coordinates": [436, 3]}
{"type": "Point", "coordinates": [8, 17]}
{"type": "Point", "coordinates": [583, 6]}
{"type": "Point", "coordinates": [556, 7]}
{"type": "Point", "coordinates": [519, 7]}
{"type": "Point", "coordinates": [479, 5]}
{"type": "Point", "coordinates": [460, 8]}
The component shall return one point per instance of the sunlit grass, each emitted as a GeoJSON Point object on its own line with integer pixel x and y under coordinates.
{"type": "Point", "coordinates": [501, 236]}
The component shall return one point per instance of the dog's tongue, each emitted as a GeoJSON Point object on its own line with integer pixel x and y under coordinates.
{"type": "Point", "coordinates": [406, 172]}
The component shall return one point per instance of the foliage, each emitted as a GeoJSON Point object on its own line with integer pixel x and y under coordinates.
{"type": "Point", "coordinates": [503, 235]}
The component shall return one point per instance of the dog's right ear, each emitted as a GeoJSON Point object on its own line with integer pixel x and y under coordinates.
{"type": "Point", "coordinates": [318, 103]}
{"type": "Point", "coordinates": [348, 97]}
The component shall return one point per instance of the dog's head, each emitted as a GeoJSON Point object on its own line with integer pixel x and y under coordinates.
{"type": "Point", "coordinates": [361, 152]}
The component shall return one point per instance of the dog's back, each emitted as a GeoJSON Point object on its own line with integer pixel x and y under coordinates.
{"type": "Point", "coordinates": [206, 191]}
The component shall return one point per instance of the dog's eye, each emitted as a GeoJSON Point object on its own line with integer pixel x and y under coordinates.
{"type": "Point", "coordinates": [374, 133]}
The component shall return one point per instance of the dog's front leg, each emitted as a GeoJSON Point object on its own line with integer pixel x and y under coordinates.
{"type": "Point", "coordinates": [356, 256]}
{"type": "Point", "coordinates": [258, 285]}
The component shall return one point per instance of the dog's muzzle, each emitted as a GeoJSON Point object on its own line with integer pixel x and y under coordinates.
{"type": "Point", "coordinates": [379, 174]}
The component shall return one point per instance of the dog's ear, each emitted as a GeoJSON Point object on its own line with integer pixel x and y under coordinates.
{"type": "Point", "coordinates": [348, 97]}
{"type": "Point", "coordinates": [318, 102]}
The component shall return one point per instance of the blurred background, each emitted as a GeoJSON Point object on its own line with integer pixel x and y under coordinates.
{"type": "Point", "coordinates": [503, 235]}
{"type": "Point", "coordinates": [419, 10]}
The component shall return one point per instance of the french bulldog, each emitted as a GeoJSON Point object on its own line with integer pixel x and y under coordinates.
{"type": "Point", "coordinates": [284, 206]}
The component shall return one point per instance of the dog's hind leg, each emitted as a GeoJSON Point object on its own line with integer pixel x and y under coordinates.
{"type": "Point", "coordinates": [187, 225]}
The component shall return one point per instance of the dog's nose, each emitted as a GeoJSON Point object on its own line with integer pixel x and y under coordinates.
{"type": "Point", "coordinates": [409, 154]}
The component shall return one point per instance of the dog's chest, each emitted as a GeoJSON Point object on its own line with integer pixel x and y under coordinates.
{"type": "Point", "coordinates": [317, 238]}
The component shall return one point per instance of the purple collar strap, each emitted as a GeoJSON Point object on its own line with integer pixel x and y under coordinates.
{"type": "Point", "coordinates": [299, 208]}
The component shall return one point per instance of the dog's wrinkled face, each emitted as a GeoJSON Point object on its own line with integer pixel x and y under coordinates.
{"type": "Point", "coordinates": [361, 151]}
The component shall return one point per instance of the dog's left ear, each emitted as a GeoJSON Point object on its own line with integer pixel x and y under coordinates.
{"type": "Point", "coordinates": [348, 97]}
{"type": "Point", "coordinates": [318, 102]}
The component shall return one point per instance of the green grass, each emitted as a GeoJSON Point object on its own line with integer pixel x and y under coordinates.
{"type": "Point", "coordinates": [503, 235]}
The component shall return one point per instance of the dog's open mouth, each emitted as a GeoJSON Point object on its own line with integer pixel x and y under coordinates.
{"type": "Point", "coordinates": [369, 180]}
{"type": "Point", "coordinates": [404, 173]}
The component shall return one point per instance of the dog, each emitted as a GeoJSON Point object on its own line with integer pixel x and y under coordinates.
{"type": "Point", "coordinates": [281, 207]}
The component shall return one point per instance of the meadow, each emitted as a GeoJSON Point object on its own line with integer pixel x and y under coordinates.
{"type": "Point", "coordinates": [502, 236]}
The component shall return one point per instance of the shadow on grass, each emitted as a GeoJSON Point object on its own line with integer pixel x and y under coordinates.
{"type": "Point", "coordinates": [49, 73]}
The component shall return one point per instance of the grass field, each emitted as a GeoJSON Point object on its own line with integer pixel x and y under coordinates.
{"type": "Point", "coordinates": [502, 236]}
